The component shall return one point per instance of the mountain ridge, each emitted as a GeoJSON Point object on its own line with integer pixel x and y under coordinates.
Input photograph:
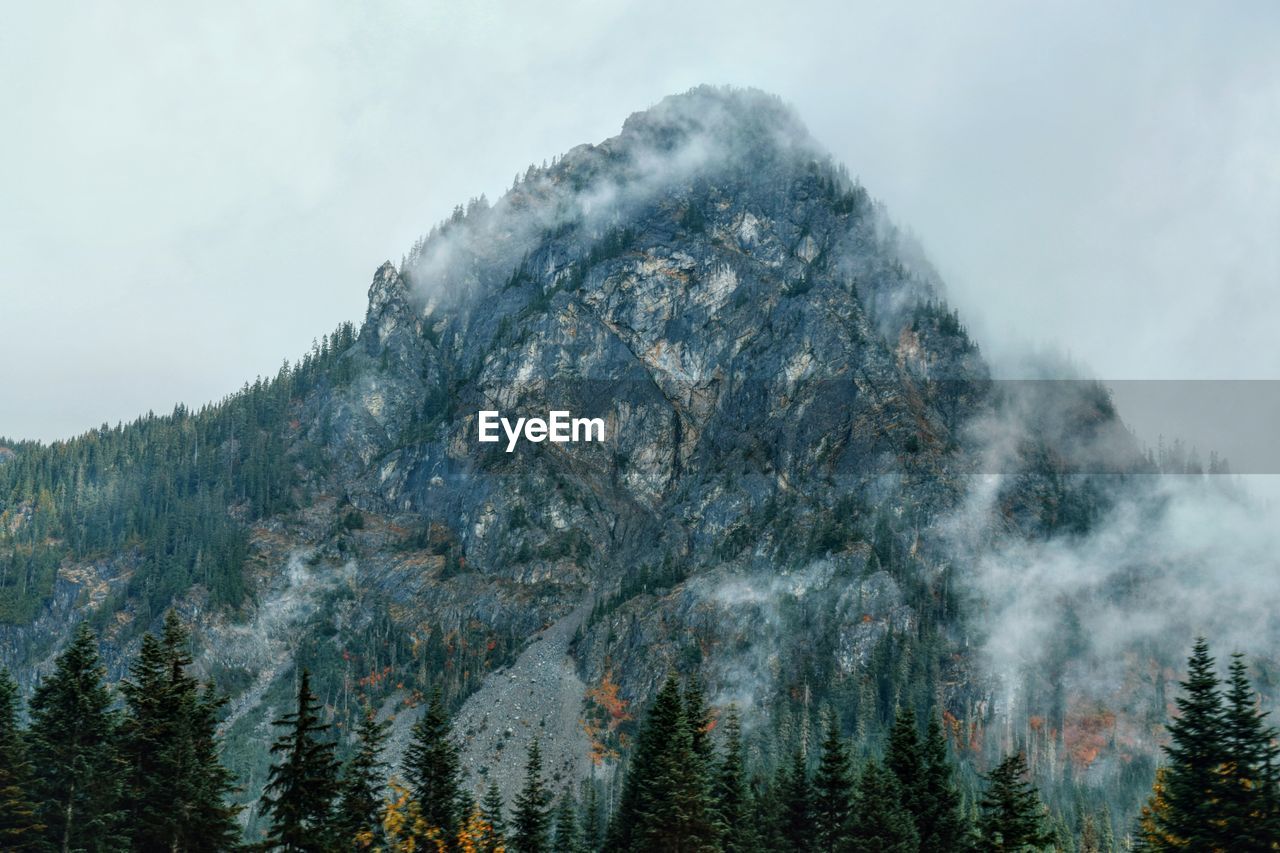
{"type": "Point", "coordinates": [790, 406]}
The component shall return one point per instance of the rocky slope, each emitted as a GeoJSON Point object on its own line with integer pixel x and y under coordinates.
{"type": "Point", "coordinates": [793, 421]}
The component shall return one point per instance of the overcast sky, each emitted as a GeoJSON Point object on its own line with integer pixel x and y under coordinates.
{"type": "Point", "coordinates": [190, 193]}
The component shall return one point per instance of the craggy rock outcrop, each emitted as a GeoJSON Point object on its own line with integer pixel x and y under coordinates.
{"type": "Point", "coordinates": [785, 401]}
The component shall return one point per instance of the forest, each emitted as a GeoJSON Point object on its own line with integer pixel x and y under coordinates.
{"type": "Point", "coordinates": [159, 488]}
{"type": "Point", "coordinates": [98, 767]}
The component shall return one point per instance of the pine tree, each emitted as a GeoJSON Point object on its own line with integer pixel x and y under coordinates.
{"type": "Point", "coordinates": [568, 838]}
{"type": "Point", "coordinates": [20, 828]}
{"type": "Point", "coordinates": [491, 810]}
{"type": "Point", "coordinates": [796, 822]}
{"type": "Point", "coordinates": [904, 758]}
{"type": "Point", "coordinates": [666, 795]}
{"type": "Point", "coordinates": [1195, 787]}
{"type": "Point", "coordinates": [361, 795]}
{"type": "Point", "coordinates": [940, 821]}
{"type": "Point", "coordinates": [1248, 807]}
{"type": "Point", "coordinates": [432, 766]}
{"type": "Point", "coordinates": [532, 817]}
{"type": "Point", "coordinates": [833, 792]}
{"type": "Point", "coordinates": [302, 784]}
{"type": "Point", "coordinates": [732, 799]}
{"type": "Point", "coordinates": [881, 823]}
{"type": "Point", "coordinates": [1106, 831]}
{"type": "Point", "coordinates": [592, 836]}
{"type": "Point", "coordinates": [1012, 815]}
{"type": "Point", "coordinates": [177, 787]}
{"type": "Point", "coordinates": [73, 751]}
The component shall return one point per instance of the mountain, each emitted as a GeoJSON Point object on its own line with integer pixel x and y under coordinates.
{"type": "Point", "coordinates": [794, 423]}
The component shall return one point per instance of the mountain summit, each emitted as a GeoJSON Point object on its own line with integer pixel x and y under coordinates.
{"type": "Point", "coordinates": [788, 410]}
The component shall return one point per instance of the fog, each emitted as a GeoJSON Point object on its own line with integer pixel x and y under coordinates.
{"type": "Point", "coordinates": [195, 192]}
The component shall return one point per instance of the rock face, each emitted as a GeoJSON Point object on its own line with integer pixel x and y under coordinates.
{"type": "Point", "coordinates": [786, 402]}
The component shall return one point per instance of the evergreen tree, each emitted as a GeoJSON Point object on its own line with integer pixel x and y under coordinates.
{"type": "Point", "coordinates": [360, 798]}
{"type": "Point", "coordinates": [302, 784]}
{"type": "Point", "coordinates": [592, 836]}
{"type": "Point", "coordinates": [20, 828]}
{"type": "Point", "coordinates": [532, 816]}
{"type": "Point", "coordinates": [881, 823]}
{"type": "Point", "coordinates": [1195, 787]}
{"type": "Point", "coordinates": [833, 792]}
{"type": "Point", "coordinates": [1248, 808]}
{"type": "Point", "coordinates": [666, 796]}
{"type": "Point", "coordinates": [432, 766]}
{"type": "Point", "coordinates": [177, 787]}
{"type": "Point", "coordinates": [568, 838]}
{"type": "Point", "coordinates": [491, 811]}
{"type": "Point", "coordinates": [940, 821]}
{"type": "Point", "coordinates": [73, 750]}
{"type": "Point", "coordinates": [796, 822]}
{"type": "Point", "coordinates": [904, 758]}
{"type": "Point", "coordinates": [1012, 814]}
{"type": "Point", "coordinates": [732, 804]}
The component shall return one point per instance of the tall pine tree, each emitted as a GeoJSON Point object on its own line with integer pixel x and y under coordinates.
{"type": "Point", "coordinates": [734, 821]}
{"type": "Point", "coordinates": [833, 792]}
{"type": "Point", "coordinates": [665, 801]}
{"type": "Point", "coordinates": [360, 799]}
{"type": "Point", "coordinates": [491, 810]}
{"type": "Point", "coordinates": [20, 829]}
{"type": "Point", "coordinates": [177, 787]}
{"type": "Point", "coordinates": [568, 835]}
{"type": "Point", "coordinates": [940, 821]}
{"type": "Point", "coordinates": [796, 804]}
{"type": "Point", "coordinates": [1195, 787]}
{"type": "Point", "coordinates": [1013, 818]}
{"type": "Point", "coordinates": [531, 819]}
{"type": "Point", "coordinates": [302, 784]}
{"type": "Point", "coordinates": [433, 769]}
{"type": "Point", "coordinates": [904, 758]}
{"type": "Point", "coordinates": [73, 749]}
{"type": "Point", "coordinates": [1249, 807]}
{"type": "Point", "coordinates": [881, 823]}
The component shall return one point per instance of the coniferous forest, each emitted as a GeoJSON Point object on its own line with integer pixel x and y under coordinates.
{"type": "Point", "coordinates": [136, 765]}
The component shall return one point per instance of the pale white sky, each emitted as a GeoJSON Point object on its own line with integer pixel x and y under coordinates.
{"type": "Point", "coordinates": [192, 192]}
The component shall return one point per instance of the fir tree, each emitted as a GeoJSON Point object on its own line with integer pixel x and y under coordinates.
{"type": "Point", "coordinates": [796, 795]}
{"type": "Point", "coordinates": [940, 821]}
{"type": "Point", "coordinates": [177, 786]}
{"type": "Point", "coordinates": [491, 811]}
{"type": "Point", "coordinates": [666, 796]}
{"type": "Point", "coordinates": [73, 751]}
{"type": "Point", "coordinates": [1248, 808]}
{"type": "Point", "coordinates": [20, 829]}
{"type": "Point", "coordinates": [433, 769]}
{"type": "Point", "coordinates": [360, 798]}
{"type": "Point", "coordinates": [833, 792]}
{"type": "Point", "coordinates": [1195, 787]}
{"type": "Point", "coordinates": [532, 817]}
{"type": "Point", "coordinates": [1012, 814]}
{"type": "Point", "coordinates": [881, 823]}
{"type": "Point", "coordinates": [904, 758]}
{"type": "Point", "coordinates": [733, 809]}
{"type": "Point", "coordinates": [568, 838]}
{"type": "Point", "coordinates": [302, 784]}
{"type": "Point", "coordinates": [592, 836]}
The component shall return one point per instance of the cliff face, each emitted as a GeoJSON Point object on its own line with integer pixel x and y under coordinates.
{"type": "Point", "coordinates": [789, 413]}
